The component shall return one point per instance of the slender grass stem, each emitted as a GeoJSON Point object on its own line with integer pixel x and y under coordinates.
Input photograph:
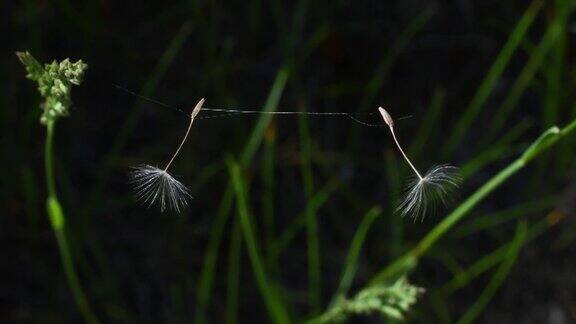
{"type": "Point", "coordinates": [234, 268]}
{"type": "Point", "coordinates": [291, 231]}
{"type": "Point", "coordinates": [394, 224]}
{"type": "Point", "coordinates": [58, 221]}
{"type": "Point", "coordinates": [499, 277]}
{"type": "Point", "coordinates": [272, 300]}
{"type": "Point", "coordinates": [209, 264]}
{"type": "Point", "coordinates": [493, 258]}
{"type": "Point", "coordinates": [268, 180]}
{"type": "Point", "coordinates": [49, 168]}
{"type": "Point", "coordinates": [546, 140]}
{"type": "Point", "coordinates": [492, 77]}
{"type": "Point", "coordinates": [429, 129]}
{"type": "Point", "coordinates": [447, 223]}
{"type": "Point", "coordinates": [351, 264]}
{"type": "Point", "coordinates": [313, 244]}
{"type": "Point", "coordinates": [381, 73]}
{"type": "Point", "coordinates": [524, 80]}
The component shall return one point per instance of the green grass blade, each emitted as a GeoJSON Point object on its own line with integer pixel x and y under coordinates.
{"type": "Point", "coordinates": [433, 114]}
{"type": "Point", "coordinates": [483, 222]}
{"type": "Point", "coordinates": [554, 73]}
{"type": "Point", "coordinates": [492, 76]}
{"type": "Point", "coordinates": [524, 80]}
{"type": "Point", "coordinates": [499, 276]}
{"type": "Point", "coordinates": [498, 150]}
{"type": "Point", "coordinates": [58, 223]}
{"type": "Point", "coordinates": [211, 256]}
{"type": "Point", "coordinates": [233, 274]}
{"type": "Point", "coordinates": [396, 224]}
{"type": "Point", "coordinates": [288, 235]}
{"type": "Point", "coordinates": [491, 259]}
{"type": "Point", "coordinates": [274, 304]}
{"type": "Point", "coordinates": [268, 184]}
{"type": "Point", "coordinates": [313, 244]}
{"type": "Point", "coordinates": [351, 263]}
{"type": "Point", "coordinates": [217, 231]}
{"type": "Point", "coordinates": [547, 139]}
{"type": "Point", "coordinates": [482, 265]}
{"type": "Point", "coordinates": [381, 72]}
{"type": "Point", "coordinates": [446, 259]}
{"type": "Point", "coordinates": [260, 128]}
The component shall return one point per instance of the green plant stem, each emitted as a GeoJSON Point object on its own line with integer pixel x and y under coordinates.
{"type": "Point", "coordinates": [547, 139]}
{"type": "Point", "coordinates": [395, 224]}
{"type": "Point", "coordinates": [49, 168]}
{"type": "Point", "coordinates": [537, 59]}
{"type": "Point", "coordinates": [498, 278]}
{"type": "Point", "coordinates": [58, 222]}
{"type": "Point", "coordinates": [437, 232]}
{"type": "Point", "coordinates": [233, 274]}
{"type": "Point", "coordinates": [272, 300]}
{"type": "Point", "coordinates": [503, 148]}
{"type": "Point", "coordinates": [482, 222]}
{"type": "Point", "coordinates": [489, 260]}
{"type": "Point", "coordinates": [313, 244]}
{"type": "Point", "coordinates": [351, 264]}
{"type": "Point", "coordinates": [209, 265]}
{"type": "Point", "coordinates": [217, 231]}
{"type": "Point", "coordinates": [291, 230]}
{"type": "Point", "coordinates": [373, 86]}
{"type": "Point", "coordinates": [491, 79]}
{"type": "Point", "coordinates": [268, 180]}
{"type": "Point", "coordinates": [433, 115]}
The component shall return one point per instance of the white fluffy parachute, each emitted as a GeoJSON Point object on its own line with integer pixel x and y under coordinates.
{"type": "Point", "coordinates": [424, 193]}
{"type": "Point", "coordinates": [153, 185]}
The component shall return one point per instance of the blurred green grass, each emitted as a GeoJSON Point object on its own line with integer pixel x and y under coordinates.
{"type": "Point", "coordinates": [278, 231]}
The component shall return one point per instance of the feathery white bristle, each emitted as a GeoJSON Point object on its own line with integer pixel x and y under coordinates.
{"type": "Point", "coordinates": [424, 194]}
{"type": "Point", "coordinates": [153, 185]}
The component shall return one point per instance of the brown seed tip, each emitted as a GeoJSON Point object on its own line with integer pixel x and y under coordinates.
{"type": "Point", "coordinates": [386, 116]}
{"type": "Point", "coordinates": [197, 109]}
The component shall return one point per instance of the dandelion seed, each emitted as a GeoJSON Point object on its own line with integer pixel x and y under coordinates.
{"type": "Point", "coordinates": [154, 185]}
{"type": "Point", "coordinates": [424, 192]}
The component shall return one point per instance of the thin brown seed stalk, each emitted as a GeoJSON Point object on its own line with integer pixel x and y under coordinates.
{"type": "Point", "coordinates": [193, 115]}
{"type": "Point", "coordinates": [390, 122]}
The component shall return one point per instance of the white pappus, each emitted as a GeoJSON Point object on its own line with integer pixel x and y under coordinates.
{"type": "Point", "coordinates": [424, 193]}
{"type": "Point", "coordinates": [153, 185]}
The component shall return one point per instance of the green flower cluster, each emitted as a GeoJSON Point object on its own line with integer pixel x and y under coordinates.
{"type": "Point", "coordinates": [54, 82]}
{"type": "Point", "coordinates": [391, 301]}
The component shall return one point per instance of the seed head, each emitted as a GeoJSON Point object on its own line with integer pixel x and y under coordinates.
{"type": "Point", "coordinates": [386, 116]}
{"type": "Point", "coordinates": [54, 83]}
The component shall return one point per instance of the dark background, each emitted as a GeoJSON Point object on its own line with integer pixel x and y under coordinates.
{"type": "Point", "coordinates": [138, 265]}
